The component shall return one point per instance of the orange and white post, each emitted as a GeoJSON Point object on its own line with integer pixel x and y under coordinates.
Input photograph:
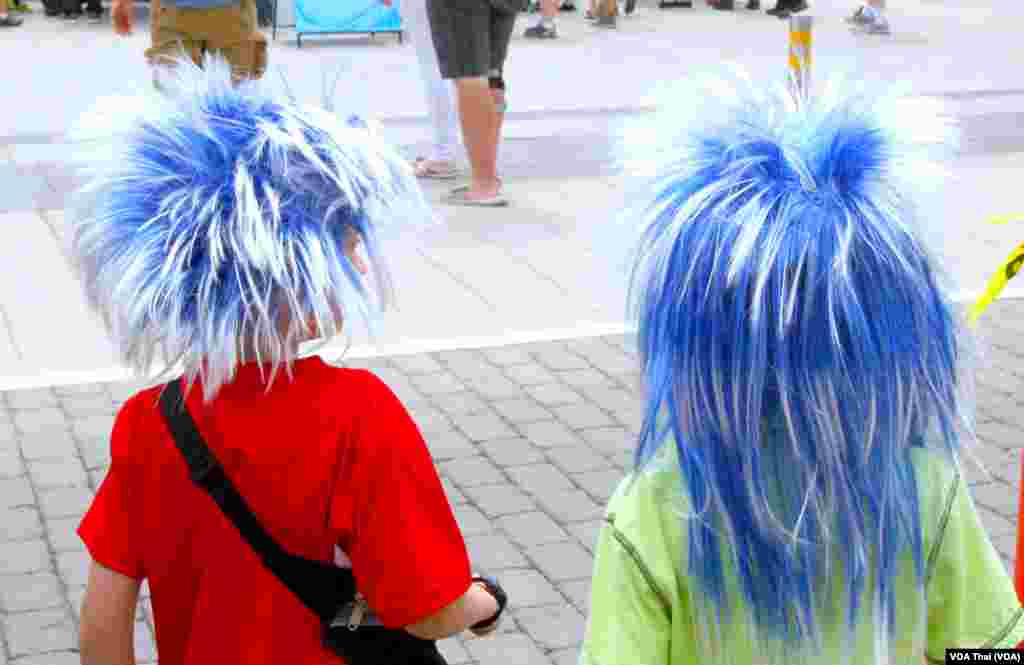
{"type": "Point", "coordinates": [800, 53]}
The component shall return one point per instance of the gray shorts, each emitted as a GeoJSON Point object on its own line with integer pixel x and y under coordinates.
{"type": "Point", "coordinates": [471, 36]}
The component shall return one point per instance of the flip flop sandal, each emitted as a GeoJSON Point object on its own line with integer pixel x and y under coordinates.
{"type": "Point", "coordinates": [457, 197]}
{"type": "Point", "coordinates": [432, 171]}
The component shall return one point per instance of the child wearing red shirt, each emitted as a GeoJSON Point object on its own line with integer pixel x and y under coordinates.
{"type": "Point", "coordinates": [223, 230]}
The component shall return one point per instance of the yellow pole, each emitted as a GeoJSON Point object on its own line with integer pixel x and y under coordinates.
{"type": "Point", "coordinates": [800, 53]}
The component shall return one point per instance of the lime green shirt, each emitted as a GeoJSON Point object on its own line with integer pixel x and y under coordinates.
{"type": "Point", "coordinates": [641, 614]}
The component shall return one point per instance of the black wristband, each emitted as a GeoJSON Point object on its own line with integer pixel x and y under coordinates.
{"type": "Point", "coordinates": [500, 596]}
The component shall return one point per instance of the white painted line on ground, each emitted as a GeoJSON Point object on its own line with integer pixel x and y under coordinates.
{"type": "Point", "coordinates": [336, 350]}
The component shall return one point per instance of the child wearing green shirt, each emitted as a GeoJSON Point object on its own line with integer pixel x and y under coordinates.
{"type": "Point", "coordinates": [797, 496]}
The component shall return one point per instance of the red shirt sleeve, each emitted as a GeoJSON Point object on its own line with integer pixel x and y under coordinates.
{"type": "Point", "coordinates": [110, 528]}
{"type": "Point", "coordinates": [393, 518]}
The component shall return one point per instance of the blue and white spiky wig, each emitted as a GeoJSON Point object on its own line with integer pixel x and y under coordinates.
{"type": "Point", "coordinates": [216, 217]}
{"type": "Point", "coordinates": [796, 344]}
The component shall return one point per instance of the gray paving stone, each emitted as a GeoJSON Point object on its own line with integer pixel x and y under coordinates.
{"type": "Point", "coordinates": [569, 656]}
{"type": "Point", "coordinates": [26, 556]}
{"type": "Point", "coordinates": [63, 536]}
{"type": "Point", "coordinates": [37, 398]}
{"type": "Point", "coordinates": [561, 359]}
{"type": "Point", "coordinates": [95, 452]}
{"type": "Point", "coordinates": [562, 561]}
{"type": "Point", "coordinates": [444, 383]}
{"type": "Point", "coordinates": [1006, 545]}
{"type": "Point", "coordinates": [123, 391]}
{"type": "Point", "coordinates": [578, 459]}
{"type": "Point", "coordinates": [581, 378]}
{"type": "Point", "coordinates": [533, 528]}
{"type": "Point", "coordinates": [522, 411]}
{"type": "Point", "coordinates": [531, 374]}
{"type": "Point", "coordinates": [8, 436]}
{"type": "Point", "coordinates": [632, 419]}
{"type": "Point", "coordinates": [73, 567]}
{"type": "Point", "coordinates": [612, 399]}
{"type": "Point", "coordinates": [20, 524]}
{"type": "Point", "coordinates": [508, 649]}
{"type": "Point", "coordinates": [998, 497]}
{"type": "Point", "coordinates": [94, 404]}
{"type": "Point", "coordinates": [586, 533]}
{"type": "Point", "coordinates": [472, 522]}
{"type": "Point", "coordinates": [570, 505]}
{"type": "Point", "coordinates": [554, 394]}
{"type": "Point", "coordinates": [552, 626]}
{"type": "Point", "coordinates": [31, 633]}
{"type": "Point", "coordinates": [38, 591]}
{"type": "Point", "coordinates": [579, 416]}
{"type": "Point", "coordinates": [600, 485]}
{"type": "Point", "coordinates": [539, 478]}
{"type": "Point", "coordinates": [416, 364]}
{"type": "Point", "coordinates": [448, 444]}
{"type": "Point", "coordinates": [512, 452]}
{"type": "Point", "coordinates": [483, 426]}
{"type": "Point", "coordinates": [1006, 436]}
{"type": "Point", "coordinates": [80, 389]}
{"type": "Point", "coordinates": [495, 387]}
{"type": "Point", "coordinates": [52, 658]}
{"type": "Point", "coordinates": [578, 592]}
{"type": "Point", "coordinates": [494, 552]}
{"type": "Point", "coordinates": [40, 421]}
{"type": "Point", "coordinates": [16, 493]}
{"type": "Point", "coordinates": [610, 360]}
{"type": "Point", "coordinates": [472, 471]}
{"type": "Point", "coordinates": [10, 461]}
{"type": "Point", "coordinates": [549, 434]}
{"type": "Point", "coordinates": [62, 472]}
{"type": "Point", "coordinates": [507, 356]}
{"type": "Point", "coordinates": [997, 524]}
{"type": "Point", "coordinates": [528, 588]}
{"type": "Point", "coordinates": [96, 477]}
{"type": "Point", "coordinates": [454, 652]}
{"type": "Point", "coordinates": [462, 402]}
{"type": "Point", "coordinates": [498, 500]}
{"type": "Point", "coordinates": [92, 427]}
{"type": "Point", "coordinates": [54, 443]}
{"type": "Point", "coordinates": [429, 418]}
{"type": "Point", "coordinates": [608, 439]}
{"type": "Point", "coordinates": [65, 502]}
{"type": "Point", "coordinates": [454, 494]}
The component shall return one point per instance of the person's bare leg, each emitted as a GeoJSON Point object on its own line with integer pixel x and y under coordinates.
{"type": "Point", "coordinates": [481, 127]}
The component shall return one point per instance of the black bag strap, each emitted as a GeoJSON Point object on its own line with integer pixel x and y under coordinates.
{"type": "Point", "coordinates": [321, 587]}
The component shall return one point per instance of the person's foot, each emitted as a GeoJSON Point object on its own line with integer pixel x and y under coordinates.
{"type": "Point", "coordinates": [860, 17]}
{"type": "Point", "coordinates": [754, 5]}
{"type": "Point", "coordinates": [433, 169]}
{"type": "Point", "coordinates": [878, 25]}
{"type": "Point", "coordinates": [72, 16]}
{"type": "Point", "coordinates": [95, 17]}
{"type": "Point", "coordinates": [605, 22]}
{"type": "Point", "coordinates": [567, 6]}
{"type": "Point", "coordinates": [487, 196]}
{"type": "Point", "coordinates": [724, 5]}
{"type": "Point", "coordinates": [9, 21]}
{"type": "Point", "coordinates": [542, 30]}
{"type": "Point", "coordinates": [786, 8]}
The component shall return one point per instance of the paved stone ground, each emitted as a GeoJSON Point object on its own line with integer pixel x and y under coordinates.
{"type": "Point", "coordinates": [530, 442]}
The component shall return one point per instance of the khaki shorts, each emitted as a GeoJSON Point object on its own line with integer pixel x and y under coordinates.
{"type": "Point", "coordinates": [229, 31]}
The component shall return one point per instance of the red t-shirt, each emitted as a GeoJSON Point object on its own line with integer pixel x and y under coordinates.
{"type": "Point", "coordinates": [329, 456]}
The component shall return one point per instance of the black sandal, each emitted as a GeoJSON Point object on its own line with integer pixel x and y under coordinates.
{"type": "Point", "coordinates": [10, 22]}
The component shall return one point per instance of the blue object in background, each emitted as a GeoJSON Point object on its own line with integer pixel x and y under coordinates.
{"type": "Point", "coordinates": [338, 16]}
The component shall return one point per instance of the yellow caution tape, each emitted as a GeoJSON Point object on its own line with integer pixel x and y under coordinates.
{"type": "Point", "coordinates": [1007, 271]}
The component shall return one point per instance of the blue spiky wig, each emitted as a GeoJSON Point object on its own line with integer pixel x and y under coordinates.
{"type": "Point", "coordinates": [795, 338]}
{"type": "Point", "coordinates": [216, 218]}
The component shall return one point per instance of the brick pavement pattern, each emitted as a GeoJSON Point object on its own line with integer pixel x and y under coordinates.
{"type": "Point", "coordinates": [530, 442]}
